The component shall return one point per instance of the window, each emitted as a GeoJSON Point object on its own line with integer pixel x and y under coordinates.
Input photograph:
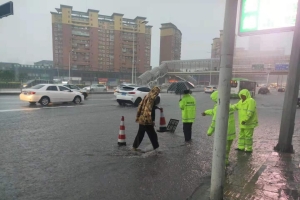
{"type": "Point", "coordinates": [62, 88]}
{"type": "Point", "coordinates": [144, 89]}
{"type": "Point", "coordinates": [37, 86]}
{"type": "Point", "coordinates": [52, 88]}
{"type": "Point", "coordinates": [73, 87]}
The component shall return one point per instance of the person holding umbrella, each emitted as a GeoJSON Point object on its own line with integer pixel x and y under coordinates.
{"type": "Point", "coordinates": [188, 110]}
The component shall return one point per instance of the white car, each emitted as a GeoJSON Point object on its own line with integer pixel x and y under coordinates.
{"type": "Point", "coordinates": [77, 89]}
{"type": "Point", "coordinates": [131, 95]}
{"type": "Point", "coordinates": [116, 91]}
{"type": "Point", "coordinates": [210, 89]}
{"type": "Point", "coordinates": [50, 93]}
{"type": "Point", "coordinates": [95, 88]}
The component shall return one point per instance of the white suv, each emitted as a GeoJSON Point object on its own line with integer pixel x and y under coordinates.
{"type": "Point", "coordinates": [131, 95]}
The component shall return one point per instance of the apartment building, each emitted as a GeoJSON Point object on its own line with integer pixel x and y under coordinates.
{"type": "Point", "coordinates": [170, 42]}
{"type": "Point", "coordinates": [89, 41]}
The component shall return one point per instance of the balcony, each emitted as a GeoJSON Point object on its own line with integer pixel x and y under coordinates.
{"type": "Point", "coordinates": [81, 50]}
{"type": "Point", "coordinates": [80, 37]}
{"type": "Point", "coordinates": [80, 33]}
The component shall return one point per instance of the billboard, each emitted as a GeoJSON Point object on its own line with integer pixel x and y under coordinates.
{"type": "Point", "coordinates": [280, 67]}
{"type": "Point", "coordinates": [267, 16]}
{"type": "Point", "coordinates": [258, 66]}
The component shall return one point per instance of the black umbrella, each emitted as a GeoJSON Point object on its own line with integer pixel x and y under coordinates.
{"type": "Point", "coordinates": [179, 87]}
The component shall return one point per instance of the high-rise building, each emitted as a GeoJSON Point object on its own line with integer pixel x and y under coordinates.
{"type": "Point", "coordinates": [170, 42]}
{"type": "Point", "coordinates": [90, 41]}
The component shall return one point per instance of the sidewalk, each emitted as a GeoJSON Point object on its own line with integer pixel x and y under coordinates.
{"type": "Point", "coordinates": [262, 175]}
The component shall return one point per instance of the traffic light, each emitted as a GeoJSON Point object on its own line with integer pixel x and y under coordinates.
{"type": "Point", "coordinates": [6, 9]}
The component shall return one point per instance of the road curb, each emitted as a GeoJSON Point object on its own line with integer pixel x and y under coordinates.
{"type": "Point", "coordinates": [9, 93]}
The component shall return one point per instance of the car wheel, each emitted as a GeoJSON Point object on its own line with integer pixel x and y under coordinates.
{"type": "Point", "coordinates": [44, 101]}
{"type": "Point", "coordinates": [120, 102]}
{"type": "Point", "coordinates": [137, 102]}
{"type": "Point", "coordinates": [77, 100]}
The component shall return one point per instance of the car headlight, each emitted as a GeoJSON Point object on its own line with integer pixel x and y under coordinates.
{"type": "Point", "coordinates": [24, 85]}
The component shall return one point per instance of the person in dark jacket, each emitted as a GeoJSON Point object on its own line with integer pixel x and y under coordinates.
{"type": "Point", "coordinates": [146, 118]}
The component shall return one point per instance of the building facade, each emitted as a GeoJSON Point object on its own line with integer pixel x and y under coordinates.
{"type": "Point", "coordinates": [89, 41]}
{"type": "Point", "coordinates": [170, 42]}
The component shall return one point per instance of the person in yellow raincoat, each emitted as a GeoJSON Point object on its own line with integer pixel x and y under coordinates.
{"type": "Point", "coordinates": [248, 120]}
{"type": "Point", "coordinates": [231, 124]}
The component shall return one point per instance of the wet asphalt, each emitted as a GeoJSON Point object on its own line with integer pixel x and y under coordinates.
{"type": "Point", "coordinates": [69, 151]}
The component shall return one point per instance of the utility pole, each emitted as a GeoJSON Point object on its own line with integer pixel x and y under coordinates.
{"type": "Point", "coordinates": [291, 94]}
{"type": "Point", "coordinates": [210, 71]}
{"type": "Point", "coordinates": [132, 75]}
{"type": "Point", "coordinates": [220, 136]}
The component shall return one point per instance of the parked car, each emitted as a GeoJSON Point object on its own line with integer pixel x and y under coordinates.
{"type": "Point", "coordinates": [77, 89]}
{"type": "Point", "coordinates": [118, 88]}
{"type": "Point", "coordinates": [281, 89]}
{"type": "Point", "coordinates": [263, 90]}
{"type": "Point", "coordinates": [50, 93]}
{"type": "Point", "coordinates": [34, 82]}
{"type": "Point", "coordinates": [210, 89]}
{"type": "Point", "coordinates": [131, 95]}
{"type": "Point", "coordinates": [95, 88]}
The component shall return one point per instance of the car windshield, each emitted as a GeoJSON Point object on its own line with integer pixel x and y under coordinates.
{"type": "Point", "coordinates": [37, 86]}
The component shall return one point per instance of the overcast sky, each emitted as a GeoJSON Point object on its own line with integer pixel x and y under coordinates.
{"type": "Point", "coordinates": [26, 36]}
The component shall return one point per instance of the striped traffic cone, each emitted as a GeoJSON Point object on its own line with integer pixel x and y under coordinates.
{"type": "Point", "coordinates": [122, 136]}
{"type": "Point", "coordinates": [162, 122]}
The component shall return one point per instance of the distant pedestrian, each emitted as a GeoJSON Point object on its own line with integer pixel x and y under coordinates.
{"type": "Point", "coordinates": [146, 118]}
{"type": "Point", "coordinates": [188, 111]}
{"type": "Point", "coordinates": [247, 120]}
{"type": "Point", "coordinates": [231, 124]}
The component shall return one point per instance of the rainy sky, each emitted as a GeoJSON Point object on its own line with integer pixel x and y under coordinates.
{"type": "Point", "coordinates": [26, 36]}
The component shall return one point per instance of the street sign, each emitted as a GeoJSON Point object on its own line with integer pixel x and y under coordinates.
{"type": "Point", "coordinates": [6, 9]}
{"type": "Point", "coordinates": [267, 16]}
{"type": "Point", "coordinates": [258, 66]}
{"type": "Point", "coordinates": [281, 67]}
{"type": "Point", "coordinates": [172, 125]}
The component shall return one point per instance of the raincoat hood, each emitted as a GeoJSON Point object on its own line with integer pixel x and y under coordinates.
{"type": "Point", "coordinates": [245, 92]}
{"type": "Point", "coordinates": [154, 92]}
{"type": "Point", "coordinates": [214, 96]}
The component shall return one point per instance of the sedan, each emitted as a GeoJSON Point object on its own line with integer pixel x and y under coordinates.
{"type": "Point", "coordinates": [77, 89]}
{"type": "Point", "coordinates": [95, 88]}
{"type": "Point", "coordinates": [263, 90]}
{"type": "Point", "coordinates": [281, 90]}
{"type": "Point", "coordinates": [50, 93]}
{"type": "Point", "coordinates": [210, 89]}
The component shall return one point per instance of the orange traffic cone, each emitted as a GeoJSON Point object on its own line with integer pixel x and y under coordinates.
{"type": "Point", "coordinates": [162, 122]}
{"type": "Point", "coordinates": [122, 136]}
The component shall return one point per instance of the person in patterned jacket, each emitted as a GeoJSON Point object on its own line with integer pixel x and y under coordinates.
{"type": "Point", "coordinates": [145, 117]}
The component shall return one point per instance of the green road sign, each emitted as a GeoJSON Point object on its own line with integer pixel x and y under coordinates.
{"type": "Point", "coordinates": [258, 66]}
{"type": "Point", "coordinates": [267, 16]}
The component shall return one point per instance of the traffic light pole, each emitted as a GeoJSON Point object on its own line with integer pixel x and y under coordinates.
{"type": "Point", "coordinates": [291, 94]}
{"type": "Point", "coordinates": [220, 136]}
